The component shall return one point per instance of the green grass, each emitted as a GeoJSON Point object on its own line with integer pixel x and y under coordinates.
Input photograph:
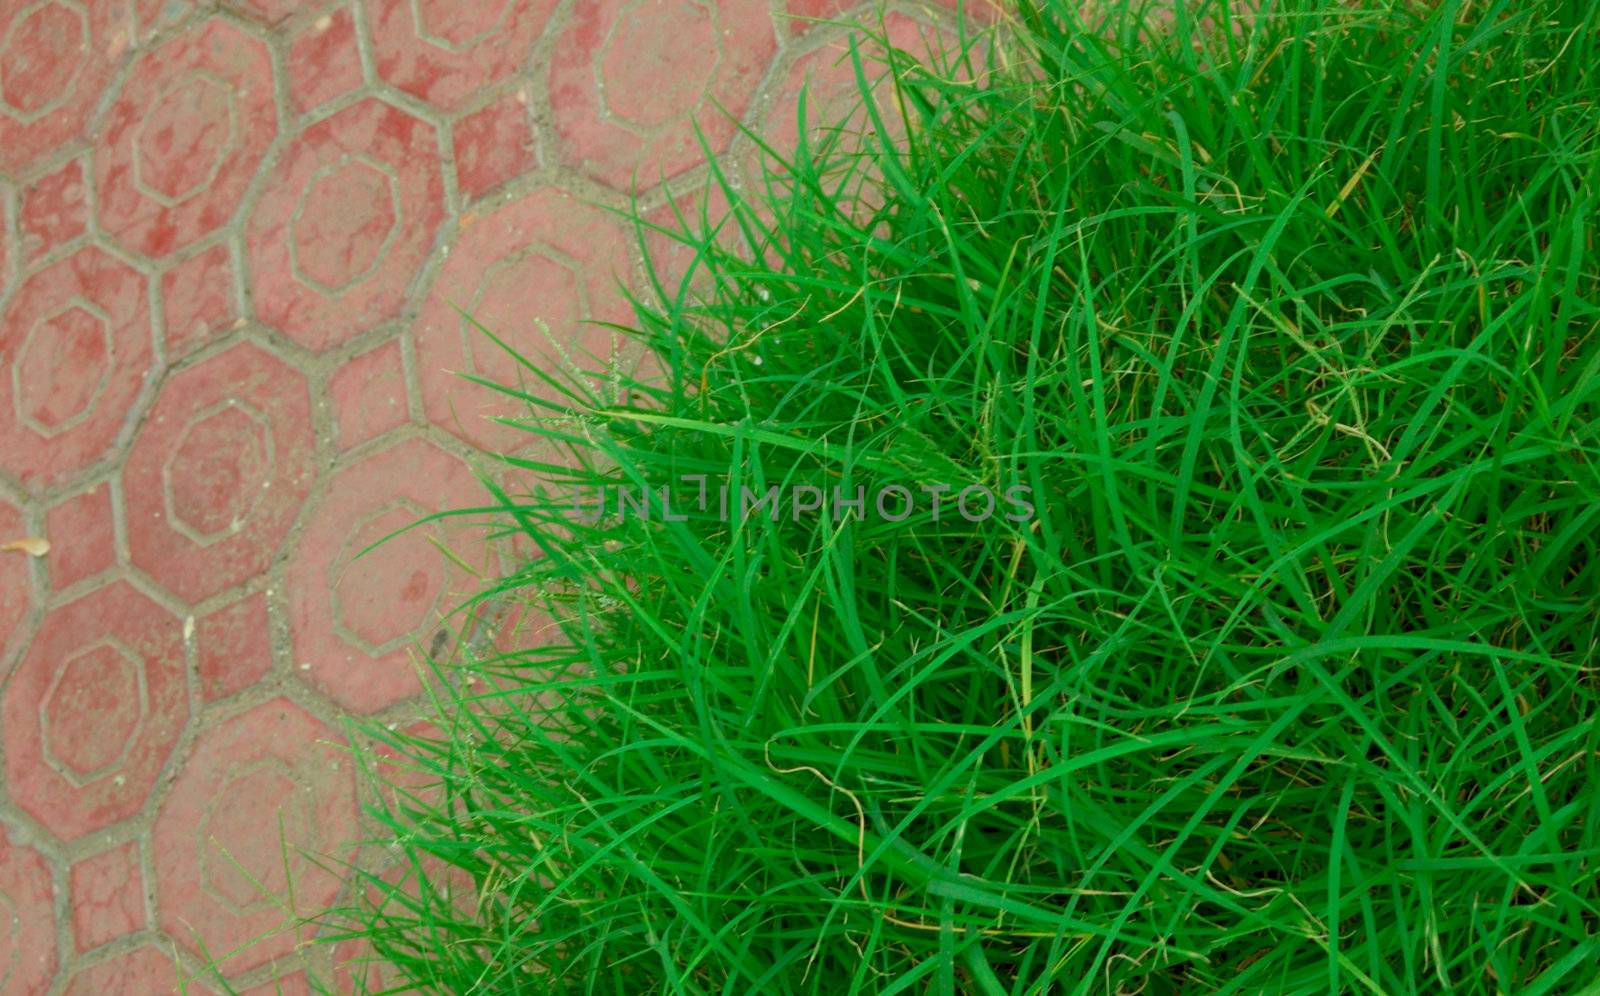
{"type": "Point", "coordinates": [1290, 684]}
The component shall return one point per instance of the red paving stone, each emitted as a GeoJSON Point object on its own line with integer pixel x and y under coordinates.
{"type": "Point", "coordinates": [441, 51]}
{"type": "Point", "coordinates": [15, 588]}
{"type": "Point", "coordinates": [266, 796]}
{"type": "Point", "coordinates": [494, 144]}
{"type": "Point", "coordinates": [323, 61]}
{"type": "Point", "coordinates": [184, 138]}
{"type": "Point", "coordinates": [94, 710]}
{"type": "Point", "coordinates": [630, 83]}
{"type": "Point", "coordinates": [198, 299]}
{"type": "Point", "coordinates": [531, 272]}
{"type": "Point", "coordinates": [219, 471]}
{"type": "Point", "coordinates": [347, 219]}
{"type": "Point", "coordinates": [235, 647]}
{"type": "Point", "coordinates": [232, 238]}
{"type": "Point", "coordinates": [56, 58]}
{"type": "Point", "coordinates": [83, 527]}
{"type": "Point", "coordinates": [368, 395]}
{"type": "Point", "coordinates": [77, 350]}
{"type": "Point", "coordinates": [28, 953]}
{"type": "Point", "coordinates": [355, 622]}
{"type": "Point", "coordinates": [146, 969]}
{"type": "Point", "coordinates": [107, 893]}
{"type": "Point", "coordinates": [55, 209]}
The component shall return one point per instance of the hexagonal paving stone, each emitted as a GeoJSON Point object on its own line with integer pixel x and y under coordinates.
{"type": "Point", "coordinates": [358, 623]}
{"type": "Point", "coordinates": [184, 137]}
{"type": "Point", "coordinates": [218, 830]}
{"type": "Point", "coordinates": [531, 272]}
{"type": "Point", "coordinates": [62, 366]}
{"type": "Point", "coordinates": [153, 15]}
{"type": "Point", "coordinates": [631, 79]}
{"type": "Point", "coordinates": [75, 349]}
{"type": "Point", "coordinates": [368, 395]}
{"type": "Point", "coordinates": [5, 246]}
{"type": "Point", "coordinates": [346, 220]}
{"type": "Point", "coordinates": [56, 57]}
{"type": "Point", "coordinates": [218, 471]}
{"type": "Point", "coordinates": [27, 921]}
{"type": "Point", "coordinates": [16, 591]}
{"type": "Point", "coordinates": [94, 709]}
{"type": "Point", "coordinates": [145, 970]}
{"type": "Point", "coordinates": [443, 50]}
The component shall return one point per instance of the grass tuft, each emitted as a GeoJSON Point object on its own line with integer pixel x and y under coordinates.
{"type": "Point", "coordinates": [1286, 325]}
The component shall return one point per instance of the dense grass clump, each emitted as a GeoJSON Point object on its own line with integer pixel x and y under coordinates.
{"type": "Point", "coordinates": [1288, 326]}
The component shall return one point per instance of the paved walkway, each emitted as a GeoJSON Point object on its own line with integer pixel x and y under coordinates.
{"type": "Point", "coordinates": [230, 240]}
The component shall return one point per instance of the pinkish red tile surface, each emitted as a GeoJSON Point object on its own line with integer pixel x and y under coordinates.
{"type": "Point", "coordinates": [84, 530]}
{"type": "Point", "coordinates": [145, 969]}
{"type": "Point", "coordinates": [630, 82]}
{"type": "Point", "coordinates": [348, 217]}
{"type": "Point", "coordinates": [234, 647]}
{"type": "Point", "coordinates": [323, 60]}
{"type": "Point", "coordinates": [94, 710]}
{"type": "Point", "coordinates": [356, 622]}
{"type": "Point", "coordinates": [184, 138]}
{"type": "Point", "coordinates": [263, 796]}
{"type": "Point", "coordinates": [107, 894]}
{"type": "Point", "coordinates": [55, 209]}
{"type": "Point", "coordinates": [219, 471]}
{"type": "Point", "coordinates": [534, 271]}
{"type": "Point", "coordinates": [28, 953]}
{"type": "Point", "coordinates": [198, 300]}
{"type": "Point", "coordinates": [494, 144]}
{"type": "Point", "coordinates": [233, 236]}
{"type": "Point", "coordinates": [78, 350]}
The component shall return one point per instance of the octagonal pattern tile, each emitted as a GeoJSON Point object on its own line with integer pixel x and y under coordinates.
{"type": "Point", "coordinates": [534, 272]}
{"type": "Point", "coordinates": [56, 57]}
{"type": "Point", "coordinates": [631, 80]}
{"type": "Point", "coordinates": [346, 219]}
{"type": "Point", "coordinates": [494, 144]}
{"type": "Point", "coordinates": [184, 138]}
{"type": "Point", "coordinates": [94, 710]}
{"type": "Point", "coordinates": [442, 51]}
{"type": "Point", "coordinates": [218, 471]}
{"type": "Point", "coordinates": [356, 621]}
{"type": "Point", "coordinates": [75, 350]}
{"type": "Point", "coordinates": [265, 797]}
